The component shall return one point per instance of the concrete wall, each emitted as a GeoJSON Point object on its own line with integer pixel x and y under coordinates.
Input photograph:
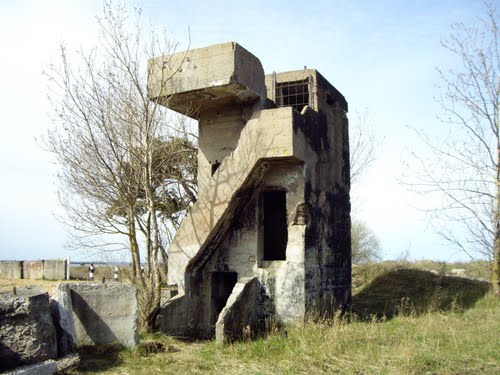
{"type": "Point", "coordinates": [51, 269]}
{"type": "Point", "coordinates": [241, 249]}
{"type": "Point", "coordinates": [105, 313]}
{"type": "Point", "coordinates": [33, 269]}
{"type": "Point", "coordinates": [54, 269]}
{"type": "Point", "coordinates": [11, 269]}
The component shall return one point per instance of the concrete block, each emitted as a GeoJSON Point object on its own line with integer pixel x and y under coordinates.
{"type": "Point", "coordinates": [62, 315]}
{"type": "Point", "coordinates": [172, 317]}
{"type": "Point", "coordinates": [105, 313]}
{"type": "Point", "coordinates": [54, 269]}
{"type": "Point", "coordinates": [240, 316]}
{"type": "Point", "coordinates": [45, 368]}
{"type": "Point", "coordinates": [206, 79]}
{"type": "Point", "coordinates": [33, 269]}
{"type": "Point", "coordinates": [27, 334]}
{"type": "Point", "coordinates": [10, 270]}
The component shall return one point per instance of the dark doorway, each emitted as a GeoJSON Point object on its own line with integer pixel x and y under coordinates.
{"type": "Point", "coordinates": [222, 286]}
{"type": "Point", "coordinates": [275, 226]}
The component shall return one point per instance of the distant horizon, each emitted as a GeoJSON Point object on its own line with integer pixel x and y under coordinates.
{"type": "Point", "coordinates": [73, 263]}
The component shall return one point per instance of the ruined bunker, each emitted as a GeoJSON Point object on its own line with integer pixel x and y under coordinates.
{"type": "Point", "coordinates": [269, 237]}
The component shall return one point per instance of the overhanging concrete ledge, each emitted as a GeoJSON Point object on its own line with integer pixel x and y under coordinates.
{"type": "Point", "coordinates": [205, 79]}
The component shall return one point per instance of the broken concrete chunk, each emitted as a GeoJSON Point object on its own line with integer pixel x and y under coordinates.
{"type": "Point", "coordinates": [27, 335]}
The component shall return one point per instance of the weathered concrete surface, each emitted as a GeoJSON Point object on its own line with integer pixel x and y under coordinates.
{"type": "Point", "coordinates": [105, 313]}
{"type": "Point", "coordinates": [54, 269]}
{"type": "Point", "coordinates": [45, 368]}
{"type": "Point", "coordinates": [27, 334]}
{"type": "Point", "coordinates": [67, 362]}
{"type": "Point", "coordinates": [50, 269]}
{"type": "Point", "coordinates": [173, 319]}
{"type": "Point", "coordinates": [206, 78]}
{"type": "Point", "coordinates": [33, 269]}
{"type": "Point", "coordinates": [240, 317]}
{"type": "Point", "coordinates": [62, 315]}
{"type": "Point", "coordinates": [267, 136]}
{"type": "Point", "coordinates": [11, 270]}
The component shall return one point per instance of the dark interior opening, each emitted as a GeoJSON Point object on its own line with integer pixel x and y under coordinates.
{"type": "Point", "coordinates": [215, 166]}
{"type": "Point", "coordinates": [292, 94]}
{"type": "Point", "coordinates": [222, 286]}
{"type": "Point", "coordinates": [275, 226]}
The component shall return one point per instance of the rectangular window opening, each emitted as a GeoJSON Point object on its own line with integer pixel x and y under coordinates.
{"type": "Point", "coordinates": [292, 94]}
{"type": "Point", "coordinates": [274, 223]}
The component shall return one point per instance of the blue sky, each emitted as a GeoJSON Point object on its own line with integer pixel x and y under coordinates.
{"type": "Point", "coordinates": [380, 54]}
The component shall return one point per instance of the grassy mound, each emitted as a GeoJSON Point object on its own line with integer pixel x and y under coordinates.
{"type": "Point", "coordinates": [413, 291]}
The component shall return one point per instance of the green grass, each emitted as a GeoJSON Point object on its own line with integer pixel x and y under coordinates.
{"type": "Point", "coordinates": [447, 326]}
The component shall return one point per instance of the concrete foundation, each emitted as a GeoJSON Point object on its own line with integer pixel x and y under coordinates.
{"type": "Point", "coordinates": [270, 232]}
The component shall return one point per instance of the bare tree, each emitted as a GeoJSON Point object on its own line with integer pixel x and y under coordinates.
{"type": "Point", "coordinates": [364, 150]}
{"type": "Point", "coordinates": [461, 170]}
{"type": "Point", "coordinates": [364, 145]}
{"type": "Point", "coordinates": [127, 171]}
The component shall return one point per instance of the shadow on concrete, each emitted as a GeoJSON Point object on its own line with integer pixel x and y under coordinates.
{"type": "Point", "coordinates": [97, 329]}
{"type": "Point", "coordinates": [413, 292]}
{"type": "Point", "coordinates": [9, 359]}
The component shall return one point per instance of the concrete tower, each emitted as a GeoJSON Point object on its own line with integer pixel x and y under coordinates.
{"type": "Point", "coordinates": [269, 237]}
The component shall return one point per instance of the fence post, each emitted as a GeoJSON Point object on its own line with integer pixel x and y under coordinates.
{"type": "Point", "coordinates": [68, 264]}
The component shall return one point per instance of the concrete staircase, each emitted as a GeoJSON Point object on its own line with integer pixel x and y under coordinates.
{"type": "Point", "coordinates": [268, 137]}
